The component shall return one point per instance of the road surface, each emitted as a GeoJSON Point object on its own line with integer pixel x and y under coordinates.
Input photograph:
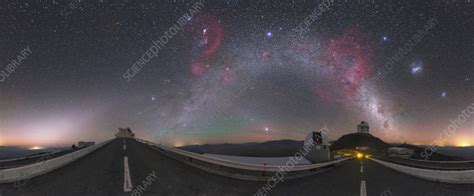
{"type": "Point", "coordinates": [127, 165]}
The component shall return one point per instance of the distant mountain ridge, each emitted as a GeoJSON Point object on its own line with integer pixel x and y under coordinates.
{"type": "Point", "coordinates": [274, 148]}
{"type": "Point", "coordinates": [9, 152]}
{"type": "Point", "coordinates": [282, 148]}
{"type": "Point", "coordinates": [464, 152]}
{"type": "Point", "coordinates": [436, 156]}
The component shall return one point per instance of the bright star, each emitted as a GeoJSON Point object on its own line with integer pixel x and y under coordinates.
{"type": "Point", "coordinates": [266, 129]}
{"type": "Point", "coordinates": [269, 34]}
{"type": "Point", "coordinates": [153, 98]}
{"type": "Point", "coordinates": [385, 38]}
{"type": "Point", "coordinates": [443, 94]}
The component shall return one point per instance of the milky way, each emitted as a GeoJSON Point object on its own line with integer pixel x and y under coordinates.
{"type": "Point", "coordinates": [236, 71]}
{"type": "Point", "coordinates": [334, 70]}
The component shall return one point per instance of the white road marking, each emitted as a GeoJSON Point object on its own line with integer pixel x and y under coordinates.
{"type": "Point", "coordinates": [124, 147]}
{"type": "Point", "coordinates": [363, 190]}
{"type": "Point", "coordinates": [127, 182]}
{"type": "Point", "coordinates": [361, 169]}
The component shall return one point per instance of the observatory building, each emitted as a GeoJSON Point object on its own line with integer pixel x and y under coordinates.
{"type": "Point", "coordinates": [320, 147]}
{"type": "Point", "coordinates": [124, 132]}
{"type": "Point", "coordinates": [363, 127]}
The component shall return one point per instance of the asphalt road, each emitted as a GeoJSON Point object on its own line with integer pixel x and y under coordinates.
{"type": "Point", "coordinates": [104, 172]}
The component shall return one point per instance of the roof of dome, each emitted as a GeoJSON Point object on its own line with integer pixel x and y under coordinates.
{"type": "Point", "coordinates": [364, 123]}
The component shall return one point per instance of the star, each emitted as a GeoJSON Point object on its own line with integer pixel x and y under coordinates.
{"type": "Point", "coordinates": [267, 129]}
{"type": "Point", "coordinates": [385, 38]}
{"type": "Point", "coordinates": [153, 98]}
{"type": "Point", "coordinates": [269, 34]}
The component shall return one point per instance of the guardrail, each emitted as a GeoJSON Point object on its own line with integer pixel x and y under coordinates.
{"type": "Point", "coordinates": [454, 177]}
{"type": "Point", "coordinates": [447, 162]}
{"type": "Point", "coordinates": [39, 168]}
{"type": "Point", "coordinates": [243, 166]}
{"type": "Point", "coordinates": [24, 158]}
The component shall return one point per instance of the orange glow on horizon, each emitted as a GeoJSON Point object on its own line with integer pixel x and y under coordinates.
{"type": "Point", "coordinates": [32, 141]}
{"type": "Point", "coordinates": [178, 144]}
{"type": "Point", "coordinates": [459, 139]}
{"type": "Point", "coordinates": [464, 143]}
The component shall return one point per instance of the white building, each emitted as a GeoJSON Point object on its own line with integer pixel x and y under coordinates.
{"type": "Point", "coordinates": [363, 127]}
{"type": "Point", "coordinates": [319, 148]}
{"type": "Point", "coordinates": [124, 132]}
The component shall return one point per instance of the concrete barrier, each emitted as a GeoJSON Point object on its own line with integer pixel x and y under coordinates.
{"type": "Point", "coordinates": [453, 177]}
{"type": "Point", "coordinates": [441, 162]}
{"type": "Point", "coordinates": [238, 165]}
{"type": "Point", "coordinates": [22, 158]}
{"type": "Point", "coordinates": [39, 168]}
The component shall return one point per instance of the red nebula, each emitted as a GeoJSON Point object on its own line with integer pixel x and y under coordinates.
{"type": "Point", "coordinates": [209, 34]}
{"type": "Point", "coordinates": [198, 68]}
{"type": "Point", "coordinates": [349, 58]}
{"type": "Point", "coordinates": [228, 74]}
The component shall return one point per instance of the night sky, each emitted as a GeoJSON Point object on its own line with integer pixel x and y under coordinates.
{"type": "Point", "coordinates": [234, 71]}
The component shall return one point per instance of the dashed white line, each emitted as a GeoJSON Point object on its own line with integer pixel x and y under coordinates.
{"type": "Point", "coordinates": [361, 169]}
{"type": "Point", "coordinates": [363, 190]}
{"type": "Point", "coordinates": [124, 147]}
{"type": "Point", "coordinates": [127, 182]}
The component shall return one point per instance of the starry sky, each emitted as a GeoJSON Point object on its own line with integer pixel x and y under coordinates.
{"type": "Point", "coordinates": [234, 70]}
